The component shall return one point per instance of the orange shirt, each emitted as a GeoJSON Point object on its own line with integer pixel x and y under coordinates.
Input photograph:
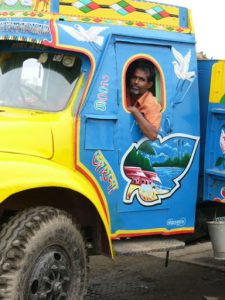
{"type": "Point", "coordinates": [151, 109]}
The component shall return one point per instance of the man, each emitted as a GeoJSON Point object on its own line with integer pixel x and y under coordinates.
{"type": "Point", "coordinates": [141, 102]}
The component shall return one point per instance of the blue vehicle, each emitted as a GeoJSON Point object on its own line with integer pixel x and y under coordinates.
{"type": "Point", "coordinates": [71, 150]}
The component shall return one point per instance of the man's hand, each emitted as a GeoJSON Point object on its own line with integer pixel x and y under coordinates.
{"type": "Point", "coordinates": [133, 110]}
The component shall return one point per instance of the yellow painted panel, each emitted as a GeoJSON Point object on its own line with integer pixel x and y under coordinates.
{"type": "Point", "coordinates": [18, 137]}
{"type": "Point", "coordinates": [217, 86]}
{"type": "Point", "coordinates": [130, 13]}
{"type": "Point", "coordinates": [114, 10]}
{"type": "Point", "coordinates": [17, 170]}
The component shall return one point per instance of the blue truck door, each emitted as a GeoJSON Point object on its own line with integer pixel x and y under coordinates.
{"type": "Point", "coordinates": [149, 179]}
{"type": "Point", "coordinates": [130, 135]}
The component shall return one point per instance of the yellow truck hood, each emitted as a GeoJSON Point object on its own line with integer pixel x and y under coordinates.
{"type": "Point", "coordinates": [25, 133]}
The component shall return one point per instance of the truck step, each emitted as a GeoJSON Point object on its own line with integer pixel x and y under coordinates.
{"type": "Point", "coordinates": [138, 246]}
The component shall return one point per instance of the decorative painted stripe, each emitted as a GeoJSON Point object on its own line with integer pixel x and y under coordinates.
{"type": "Point", "coordinates": [21, 39]}
{"type": "Point", "coordinates": [156, 231]}
{"type": "Point", "coordinates": [99, 20]}
{"type": "Point", "coordinates": [121, 7]}
{"type": "Point", "coordinates": [125, 23]}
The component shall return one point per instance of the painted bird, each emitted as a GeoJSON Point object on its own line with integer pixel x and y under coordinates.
{"type": "Point", "coordinates": [181, 65]}
{"type": "Point", "coordinates": [91, 35]}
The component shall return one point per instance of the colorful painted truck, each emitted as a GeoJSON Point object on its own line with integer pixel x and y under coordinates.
{"type": "Point", "coordinates": [77, 175]}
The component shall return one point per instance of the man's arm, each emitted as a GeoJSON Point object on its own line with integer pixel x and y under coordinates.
{"type": "Point", "coordinates": [146, 127]}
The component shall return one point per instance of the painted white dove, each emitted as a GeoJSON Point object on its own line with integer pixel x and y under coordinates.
{"type": "Point", "coordinates": [181, 66]}
{"type": "Point", "coordinates": [10, 2]}
{"type": "Point", "coordinates": [90, 35]}
{"type": "Point", "coordinates": [26, 2]}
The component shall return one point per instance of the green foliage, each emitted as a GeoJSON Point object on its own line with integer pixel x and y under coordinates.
{"type": "Point", "coordinates": [147, 148]}
{"type": "Point", "coordinates": [219, 161]}
{"type": "Point", "coordinates": [222, 100]}
{"type": "Point", "coordinates": [175, 162]}
{"type": "Point", "coordinates": [136, 159]}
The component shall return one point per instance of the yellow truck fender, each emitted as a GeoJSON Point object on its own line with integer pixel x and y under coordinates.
{"type": "Point", "coordinates": [23, 172]}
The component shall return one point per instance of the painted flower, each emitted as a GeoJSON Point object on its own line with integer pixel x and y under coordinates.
{"type": "Point", "coordinates": [222, 192]}
{"type": "Point", "coordinates": [222, 141]}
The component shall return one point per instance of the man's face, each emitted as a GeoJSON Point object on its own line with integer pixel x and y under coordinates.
{"type": "Point", "coordinates": [139, 83]}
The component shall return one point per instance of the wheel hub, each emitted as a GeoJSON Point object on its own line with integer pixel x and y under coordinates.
{"type": "Point", "coordinates": [57, 287]}
{"type": "Point", "coordinates": [50, 275]}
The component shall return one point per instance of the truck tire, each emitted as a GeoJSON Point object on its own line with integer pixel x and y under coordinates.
{"type": "Point", "coordinates": [42, 256]}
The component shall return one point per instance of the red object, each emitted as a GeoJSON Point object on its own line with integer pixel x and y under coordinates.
{"type": "Point", "coordinates": [139, 176]}
{"type": "Point", "coordinates": [93, 6]}
{"type": "Point", "coordinates": [164, 14]}
{"type": "Point", "coordinates": [222, 192]}
{"type": "Point", "coordinates": [130, 9]}
{"type": "Point", "coordinates": [217, 199]}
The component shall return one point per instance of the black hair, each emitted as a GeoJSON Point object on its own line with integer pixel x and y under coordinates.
{"type": "Point", "coordinates": [145, 65]}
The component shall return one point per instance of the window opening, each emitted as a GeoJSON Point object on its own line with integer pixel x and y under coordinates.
{"type": "Point", "coordinates": [156, 88]}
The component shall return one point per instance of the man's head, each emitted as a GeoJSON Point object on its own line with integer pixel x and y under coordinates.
{"type": "Point", "coordinates": [141, 79]}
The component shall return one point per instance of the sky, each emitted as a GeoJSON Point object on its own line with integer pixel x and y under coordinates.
{"type": "Point", "coordinates": [209, 25]}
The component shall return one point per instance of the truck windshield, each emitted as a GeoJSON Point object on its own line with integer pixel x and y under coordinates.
{"type": "Point", "coordinates": [39, 81]}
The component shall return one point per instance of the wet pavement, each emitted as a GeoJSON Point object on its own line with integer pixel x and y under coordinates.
{"type": "Point", "coordinates": [199, 254]}
{"type": "Point", "coordinates": [192, 273]}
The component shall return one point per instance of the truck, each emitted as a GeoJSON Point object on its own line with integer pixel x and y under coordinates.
{"type": "Point", "coordinates": [78, 177]}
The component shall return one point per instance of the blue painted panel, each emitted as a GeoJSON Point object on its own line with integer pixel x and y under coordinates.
{"type": "Point", "coordinates": [214, 177]}
{"type": "Point", "coordinates": [179, 142]}
{"type": "Point", "coordinates": [183, 17]}
{"type": "Point", "coordinates": [104, 129]}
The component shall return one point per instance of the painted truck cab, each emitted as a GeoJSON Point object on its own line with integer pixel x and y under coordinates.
{"type": "Point", "coordinates": [68, 140]}
{"type": "Point", "coordinates": [80, 65]}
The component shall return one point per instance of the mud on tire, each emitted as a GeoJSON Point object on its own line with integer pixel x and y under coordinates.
{"type": "Point", "coordinates": [42, 256]}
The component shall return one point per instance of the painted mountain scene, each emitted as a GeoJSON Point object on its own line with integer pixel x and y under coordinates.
{"type": "Point", "coordinates": [153, 170]}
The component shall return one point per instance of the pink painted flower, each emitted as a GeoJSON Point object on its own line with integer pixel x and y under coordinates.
{"type": "Point", "coordinates": [222, 141]}
{"type": "Point", "coordinates": [222, 192]}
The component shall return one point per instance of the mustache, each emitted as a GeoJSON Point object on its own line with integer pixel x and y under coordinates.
{"type": "Point", "coordinates": [134, 89]}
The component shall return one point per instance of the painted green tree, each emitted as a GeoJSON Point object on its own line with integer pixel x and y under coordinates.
{"type": "Point", "coordinates": [146, 148]}
{"type": "Point", "coordinates": [135, 159]}
{"type": "Point", "coordinates": [175, 162]}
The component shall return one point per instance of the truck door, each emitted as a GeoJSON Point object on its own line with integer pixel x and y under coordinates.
{"type": "Point", "coordinates": [137, 176]}
{"type": "Point", "coordinates": [150, 172]}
